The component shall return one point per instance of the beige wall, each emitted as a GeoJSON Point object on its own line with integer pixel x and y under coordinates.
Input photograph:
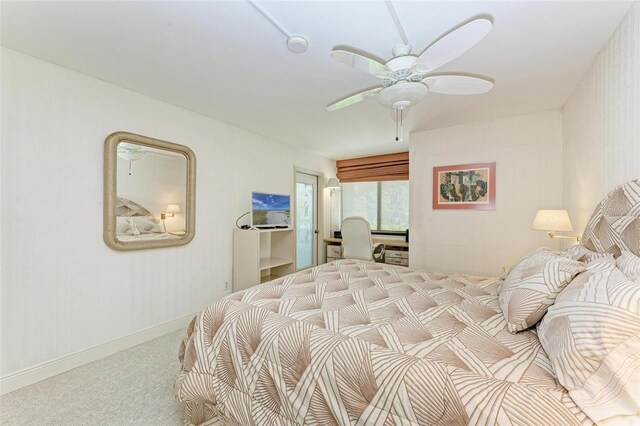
{"type": "Point", "coordinates": [602, 123]}
{"type": "Point", "coordinates": [63, 289]}
{"type": "Point", "coordinates": [528, 153]}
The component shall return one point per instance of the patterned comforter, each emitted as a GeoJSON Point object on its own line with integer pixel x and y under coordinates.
{"type": "Point", "coordinates": [360, 343]}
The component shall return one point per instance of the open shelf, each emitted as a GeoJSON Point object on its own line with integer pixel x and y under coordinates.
{"type": "Point", "coordinates": [267, 278]}
{"type": "Point", "coordinates": [262, 255]}
{"type": "Point", "coordinates": [273, 262]}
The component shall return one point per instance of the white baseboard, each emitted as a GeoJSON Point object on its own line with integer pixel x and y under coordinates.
{"type": "Point", "coordinates": [35, 373]}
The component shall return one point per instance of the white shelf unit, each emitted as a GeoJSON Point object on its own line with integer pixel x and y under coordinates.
{"type": "Point", "coordinates": [262, 255]}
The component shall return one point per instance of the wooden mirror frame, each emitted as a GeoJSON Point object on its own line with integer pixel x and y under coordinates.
{"type": "Point", "coordinates": [111, 188]}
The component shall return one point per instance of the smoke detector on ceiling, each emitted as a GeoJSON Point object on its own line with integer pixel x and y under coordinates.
{"type": "Point", "coordinates": [297, 44]}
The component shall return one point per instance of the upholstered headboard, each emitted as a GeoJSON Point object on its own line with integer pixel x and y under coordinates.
{"type": "Point", "coordinates": [128, 208]}
{"type": "Point", "coordinates": [615, 223]}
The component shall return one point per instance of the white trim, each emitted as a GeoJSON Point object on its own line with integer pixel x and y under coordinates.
{"type": "Point", "coordinates": [43, 370]}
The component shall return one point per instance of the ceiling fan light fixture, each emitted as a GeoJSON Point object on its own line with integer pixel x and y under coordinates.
{"type": "Point", "coordinates": [401, 105]}
{"type": "Point", "coordinates": [402, 95]}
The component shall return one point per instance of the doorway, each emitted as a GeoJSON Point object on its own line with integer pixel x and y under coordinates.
{"type": "Point", "coordinates": [306, 220]}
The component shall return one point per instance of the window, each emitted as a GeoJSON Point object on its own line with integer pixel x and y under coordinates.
{"type": "Point", "coordinates": [384, 204]}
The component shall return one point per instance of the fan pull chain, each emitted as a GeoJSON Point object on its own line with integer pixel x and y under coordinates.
{"type": "Point", "coordinates": [401, 124]}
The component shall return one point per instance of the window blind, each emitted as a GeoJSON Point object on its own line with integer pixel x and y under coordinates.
{"type": "Point", "coordinates": [375, 168]}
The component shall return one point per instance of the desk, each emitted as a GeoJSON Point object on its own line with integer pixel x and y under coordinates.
{"type": "Point", "coordinates": [389, 242]}
{"type": "Point", "coordinates": [396, 253]}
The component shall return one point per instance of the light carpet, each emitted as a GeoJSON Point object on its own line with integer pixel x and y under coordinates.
{"type": "Point", "coordinates": [132, 387]}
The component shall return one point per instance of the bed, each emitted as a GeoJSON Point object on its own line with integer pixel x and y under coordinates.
{"type": "Point", "coordinates": [362, 343]}
{"type": "Point", "coordinates": [135, 223]}
{"type": "Point", "coordinates": [149, 237]}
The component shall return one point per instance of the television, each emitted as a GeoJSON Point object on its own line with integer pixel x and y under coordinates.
{"type": "Point", "coordinates": [270, 210]}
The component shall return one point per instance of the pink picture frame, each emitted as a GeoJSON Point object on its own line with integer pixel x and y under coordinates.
{"type": "Point", "coordinates": [465, 187]}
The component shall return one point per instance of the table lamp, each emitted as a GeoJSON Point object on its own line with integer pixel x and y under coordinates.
{"type": "Point", "coordinates": [554, 221]}
{"type": "Point", "coordinates": [171, 211]}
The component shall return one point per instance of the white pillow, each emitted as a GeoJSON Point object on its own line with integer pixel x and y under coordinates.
{"type": "Point", "coordinates": [146, 225]}
{"type": "Point", "coordinates": [629, 263]}
{"type": "Point", "coordinates": [124, 226]}
{"type": "Point", "coordinates": [592, 337]}
{"type": "Point", "coordinates": [533, 284]}
{"type": "Point", "coordinates": [581, 253]}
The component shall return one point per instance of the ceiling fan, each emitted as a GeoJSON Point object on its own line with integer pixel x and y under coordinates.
{"type": "Point", "coordinates": [407, 78]}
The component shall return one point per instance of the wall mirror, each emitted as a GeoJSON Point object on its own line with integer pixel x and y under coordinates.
{"type": "Point", "coordinates": [149, 192]}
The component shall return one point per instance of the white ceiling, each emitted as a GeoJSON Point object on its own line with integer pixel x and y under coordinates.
{"type": "Point", "coordinates": [226, 61]}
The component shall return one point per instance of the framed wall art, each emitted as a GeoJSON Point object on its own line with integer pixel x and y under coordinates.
{"type": "Point", "coordinates": [465, 186]}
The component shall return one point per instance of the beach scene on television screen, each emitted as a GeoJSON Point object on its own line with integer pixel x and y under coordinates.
{"type": "Point", "coordinates": [468, 186]}
{"type": "Point", "coordinates": [271, 209]}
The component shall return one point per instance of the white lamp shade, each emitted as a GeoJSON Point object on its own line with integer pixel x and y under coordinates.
{"type": "Point", "coordinates": [552, 220]}
{"type": "Point", "coordinates": [333, 183]}
{"type": "Point", "coordinates": [173, 208]}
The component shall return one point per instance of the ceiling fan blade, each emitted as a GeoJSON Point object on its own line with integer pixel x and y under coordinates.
{"type": "Point", "coordinates": [452, 45]}
{"type": "Point", "coordinates": [458, 84]}
{"type": "Point", "coordinates": [353, 99]}
{"type": "Point", "coordinates": [360, 62]}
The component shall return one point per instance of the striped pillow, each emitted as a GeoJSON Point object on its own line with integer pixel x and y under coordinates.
{"type": "Point", "coordinates": [629, 264]}
{"type": "Point", "coordinates": [532, 286]}
{"type": "Point", "coordinates": [146, 225]}
{"type": "Point", "coordinates": [124, 226]}
{"type": "Point", "coordinates": [583, 254]}
{"type": "Point", "coordinates": [592, 337]}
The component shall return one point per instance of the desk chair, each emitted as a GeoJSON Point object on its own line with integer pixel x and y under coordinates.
{"type": "Point", "coordinates": [356, 239]}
